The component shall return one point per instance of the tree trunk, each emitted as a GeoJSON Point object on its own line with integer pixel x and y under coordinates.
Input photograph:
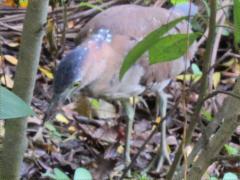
{"type": "Point", "coordinates": [15, 141]}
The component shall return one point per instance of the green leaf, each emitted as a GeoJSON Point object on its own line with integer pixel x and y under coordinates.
{"type": "Point", "coordinates": [230, 176]}
{"type": "Point", "coordinates": [171, 47]}
{"type": "Point", "coordinates": [231, 150]}
{"type": "Point", "coordinates": [49, 175]}
{"type": "Point", "coordinates": [82, 174]}
{"type": "Point", "coordinates": [90, 5]}
{"type": "Point", "coordinates": [53, 131]}
{"type": "Point", "coordinates": [175, 2]}
{"type": "Point", "coordinates": [95, 103]}
{"type": "Point", "coordinates": [213, 178]}
{"type": "Point", "coordinates": [59, 175]}
{"type": "Point", "coordinates": [206, 115]}
{"type": "Point", "coordinates": [195, 69]}
{"type": "Point", "coordinates": [236, 18]}
{"type": "Point", "coordinates": [11, 106]}
{"type": "Point", "coordinates": [140, 48]}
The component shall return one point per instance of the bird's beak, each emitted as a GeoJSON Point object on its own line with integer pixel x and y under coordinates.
{"type": "Point", "coordinates": [58, 99]}
{"type": "Point", "coordinates": [52, 107]}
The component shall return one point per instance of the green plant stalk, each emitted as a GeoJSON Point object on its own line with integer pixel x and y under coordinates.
{"type": "Point", "coordinates": [15, 141]}
{"type": "Point", "coordinates": [203, 90]}
{"type": "Point", "coordinates": [236, 20]}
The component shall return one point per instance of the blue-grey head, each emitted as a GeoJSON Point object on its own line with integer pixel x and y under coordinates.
{"type": "Point", "coordinates": [70, 68]}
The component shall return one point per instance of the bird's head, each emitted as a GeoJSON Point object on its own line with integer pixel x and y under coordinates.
{"type": "Point", "coordinates": [80, 67]}
{"type": "Point", "coordinates": [83, 64]}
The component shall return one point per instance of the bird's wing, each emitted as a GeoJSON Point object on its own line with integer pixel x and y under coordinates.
{"type": "Point", "coordinates": [136, 22]}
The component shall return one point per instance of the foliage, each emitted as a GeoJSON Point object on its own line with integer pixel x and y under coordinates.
{"type": "Point", "coordinates": [13, 3]}
{"type": "Point", "coordinates": [82, 173]}
{"type": "Point", "coordinates": [12, 106]}
{"type": "Point", "coordinates": [230, 176]}
{"type": "Point", "coordinates": [163, 50]}
{"type": "Point", "coordinates": [56, 175]}
{"type": "Point", "coordinates": [90, 5]}
{"type": "Point", "coordinates": [236, 14]}
{"type": "Point", "coordinates": [175, 2]}
{"type": "Point", "coordinates": [149, 41]}
{"type": "Point", "coordinates": [79, 174]}
{"type": "Point", "coordinates": [231, 150]}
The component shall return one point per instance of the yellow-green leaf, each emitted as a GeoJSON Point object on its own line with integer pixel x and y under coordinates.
{"type": "Point", "coordinates": [46, 72]}
{"type": "Point", "coordinates": [216, 79]}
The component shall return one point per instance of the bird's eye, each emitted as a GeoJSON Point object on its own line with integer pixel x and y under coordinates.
{"type": "Point", "coordinates": [76, 84]}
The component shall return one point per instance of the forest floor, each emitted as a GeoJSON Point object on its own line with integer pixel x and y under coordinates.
{"type": "Point", "coordinates": [89, 133]}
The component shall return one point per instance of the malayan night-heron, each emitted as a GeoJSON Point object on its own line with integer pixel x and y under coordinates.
{"type": "Point", "coordinates": [106, 39]}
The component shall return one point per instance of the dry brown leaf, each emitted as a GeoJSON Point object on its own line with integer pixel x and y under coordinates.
{"type": "Point", "coordinates": [10, 3]}
{"type": "Point", "coordinates": [13, 44]}
{"type": "Point", "coordinates": [7, 81]}
{"type": "Point", "coordinates": [11, 59]}
{"type": "Point", "coordinates": [70, 24]}
{"type": "Point", "coordinates": [72, 129]}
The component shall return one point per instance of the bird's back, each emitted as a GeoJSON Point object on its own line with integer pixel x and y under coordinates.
{"type": "Point", "coordinates": [134, 23]}
{"type": "Point", "coordinates": [131, 20]}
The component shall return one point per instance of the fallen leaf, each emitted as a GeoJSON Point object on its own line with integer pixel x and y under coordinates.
{"type": "Point", "coordinates": [229, 62]}
{"type": "Point", "coordinates": [23, 3]}
{"type": "Point", "coordinates": [120, 149]}
{"type": "Point", "coordinates": [189, 77]}
{"type": "Point", "coordinates": [70, 24]}
{"type": "Point", "coordinates": [46, 72]}
{"type": "Point", "coordinates": [216, 79]}
{"type": "Point", "coordinates": [105, 110]}
{"type": "Point", "coordinates": [157, 121]}
{"type": "Point", "coordinates": [10, 3]}
{"type": "Point", "coordinates": [72, 129]}
{"type": "Point", "coordinates": [172, 140]}
{"type": "Point", "coordinates": [34, 120]}
{"type": "Point", "coordinates": [7, 81]}
{"type": "Point", "coordinates": [61, 118]}
{"type": "Point", "coordinates": [83, 107]}
{"type": "Point", "coordinates": [11, 59]}
{"type": "Point", "coordinates": [13, 44]}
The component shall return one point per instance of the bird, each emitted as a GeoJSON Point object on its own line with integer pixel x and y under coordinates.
{"type": "Point", "coordinates": [92, 68]}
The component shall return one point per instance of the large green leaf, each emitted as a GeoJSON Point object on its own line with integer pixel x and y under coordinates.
{"type": "Point", "coordinates": [230, 176]}
{"type": "Point", "coordinates": [171, 47]}
{"type": "Point", "coordinates": [59, 175]}
{"type": "Point", "coordinates": [11, 106]}
{"type": "Point", "coordinates": [236, 15]}
{"type": "Point", "coordinates": [82, 174]}
{"type": "Point", "coordinates": [141, 47]}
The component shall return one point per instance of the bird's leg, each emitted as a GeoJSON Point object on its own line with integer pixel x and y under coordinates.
{"type": "Point", "coordinates": [130, 117]}
{"type": "Point", "coordinates": [162, 99]}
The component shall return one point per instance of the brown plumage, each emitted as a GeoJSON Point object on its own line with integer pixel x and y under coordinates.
{"type": "Point", "coordinates": [105, 41]}
{"type": "Point", "coordinates": [128, 24]}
